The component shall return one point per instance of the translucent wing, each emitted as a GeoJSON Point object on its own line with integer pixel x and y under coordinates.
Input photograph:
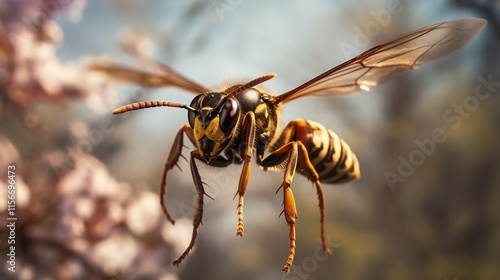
{"type": "Point", "coordinates": [159, 76]}
{"type": "Point", "coordinates": [389, 60]}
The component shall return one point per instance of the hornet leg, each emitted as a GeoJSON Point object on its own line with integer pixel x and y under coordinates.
{"type": "Point", "coordinates": [287, 155]}
{"type": "Point", "coordinates": [248, 132]}
{"type": "Point", "coordinates": [172, 160]}
{"type": "Point", "coordinates": [198, 211]}
{"type": "Point", "coordinates": [297, 130]}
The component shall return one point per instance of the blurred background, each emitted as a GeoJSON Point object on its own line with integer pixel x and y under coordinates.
{"type": "Point", "coordinates": [86, 181]}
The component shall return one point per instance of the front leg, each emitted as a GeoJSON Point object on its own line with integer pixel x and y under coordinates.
{"type": "Point", "coordinates": [247, 133]}
{"type": "Point", "coordinates": [218, 161]}
{"type": "Point", "coordinates": [198, 210]}
{"type": "Point", "coordinates": [172, 160]}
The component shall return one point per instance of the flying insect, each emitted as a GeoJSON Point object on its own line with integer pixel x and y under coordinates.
{"type": "Point", "coordinates": [239, 122]}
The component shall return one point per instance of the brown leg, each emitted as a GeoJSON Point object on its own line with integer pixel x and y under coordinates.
{"type": "Point", "coordinates": [288, 154]}
{"type": "Point", "coordinates": [290, 217]}
{"type": "Point", "coordinates": [172, 160]}
{"type": "Point", "coordinates": [198, 212]}
{"type": "Point", "coordinates": [248, 132]}
{"type": "Point", "coordinates": [306, 168]}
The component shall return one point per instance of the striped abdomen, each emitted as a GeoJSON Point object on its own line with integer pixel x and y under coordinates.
{"type": "Point", "coordinates": [331, 156]}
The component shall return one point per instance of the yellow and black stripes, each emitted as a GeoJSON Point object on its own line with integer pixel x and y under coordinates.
{"type": "Point", "coordinates": [331, 157]}
{"type": "Point", "coordinates": [335, 162]}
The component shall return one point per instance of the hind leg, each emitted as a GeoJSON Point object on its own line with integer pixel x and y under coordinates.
{"type": "Point", "coordinates": [299, 131]}
{"type": "Point", "coordinates": [294, 156]}
{"type": "Point", "coordinates": [286, 155]}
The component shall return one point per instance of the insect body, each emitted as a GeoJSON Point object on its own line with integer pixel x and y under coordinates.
{"type": "Point", "coordinates": [330, 156]}
{"type": "Point", "coordinates": [240, 122]}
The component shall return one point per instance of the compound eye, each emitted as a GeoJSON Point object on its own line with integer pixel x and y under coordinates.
{"type": "Point", "coordinates": [195, 104]}
{"type": "Point", "coordinates": [229, 115]}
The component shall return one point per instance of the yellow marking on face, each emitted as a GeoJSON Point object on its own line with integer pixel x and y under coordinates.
{"type": "Point", "coordinates": [212, 131]}
{"type": "Point", "coordinates": [198, 130]}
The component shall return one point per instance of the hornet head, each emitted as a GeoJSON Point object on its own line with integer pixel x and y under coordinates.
{"type": "Point", "coordinates": [214, 121]}
{"type": "Point", "coordinates": [212, 116]}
